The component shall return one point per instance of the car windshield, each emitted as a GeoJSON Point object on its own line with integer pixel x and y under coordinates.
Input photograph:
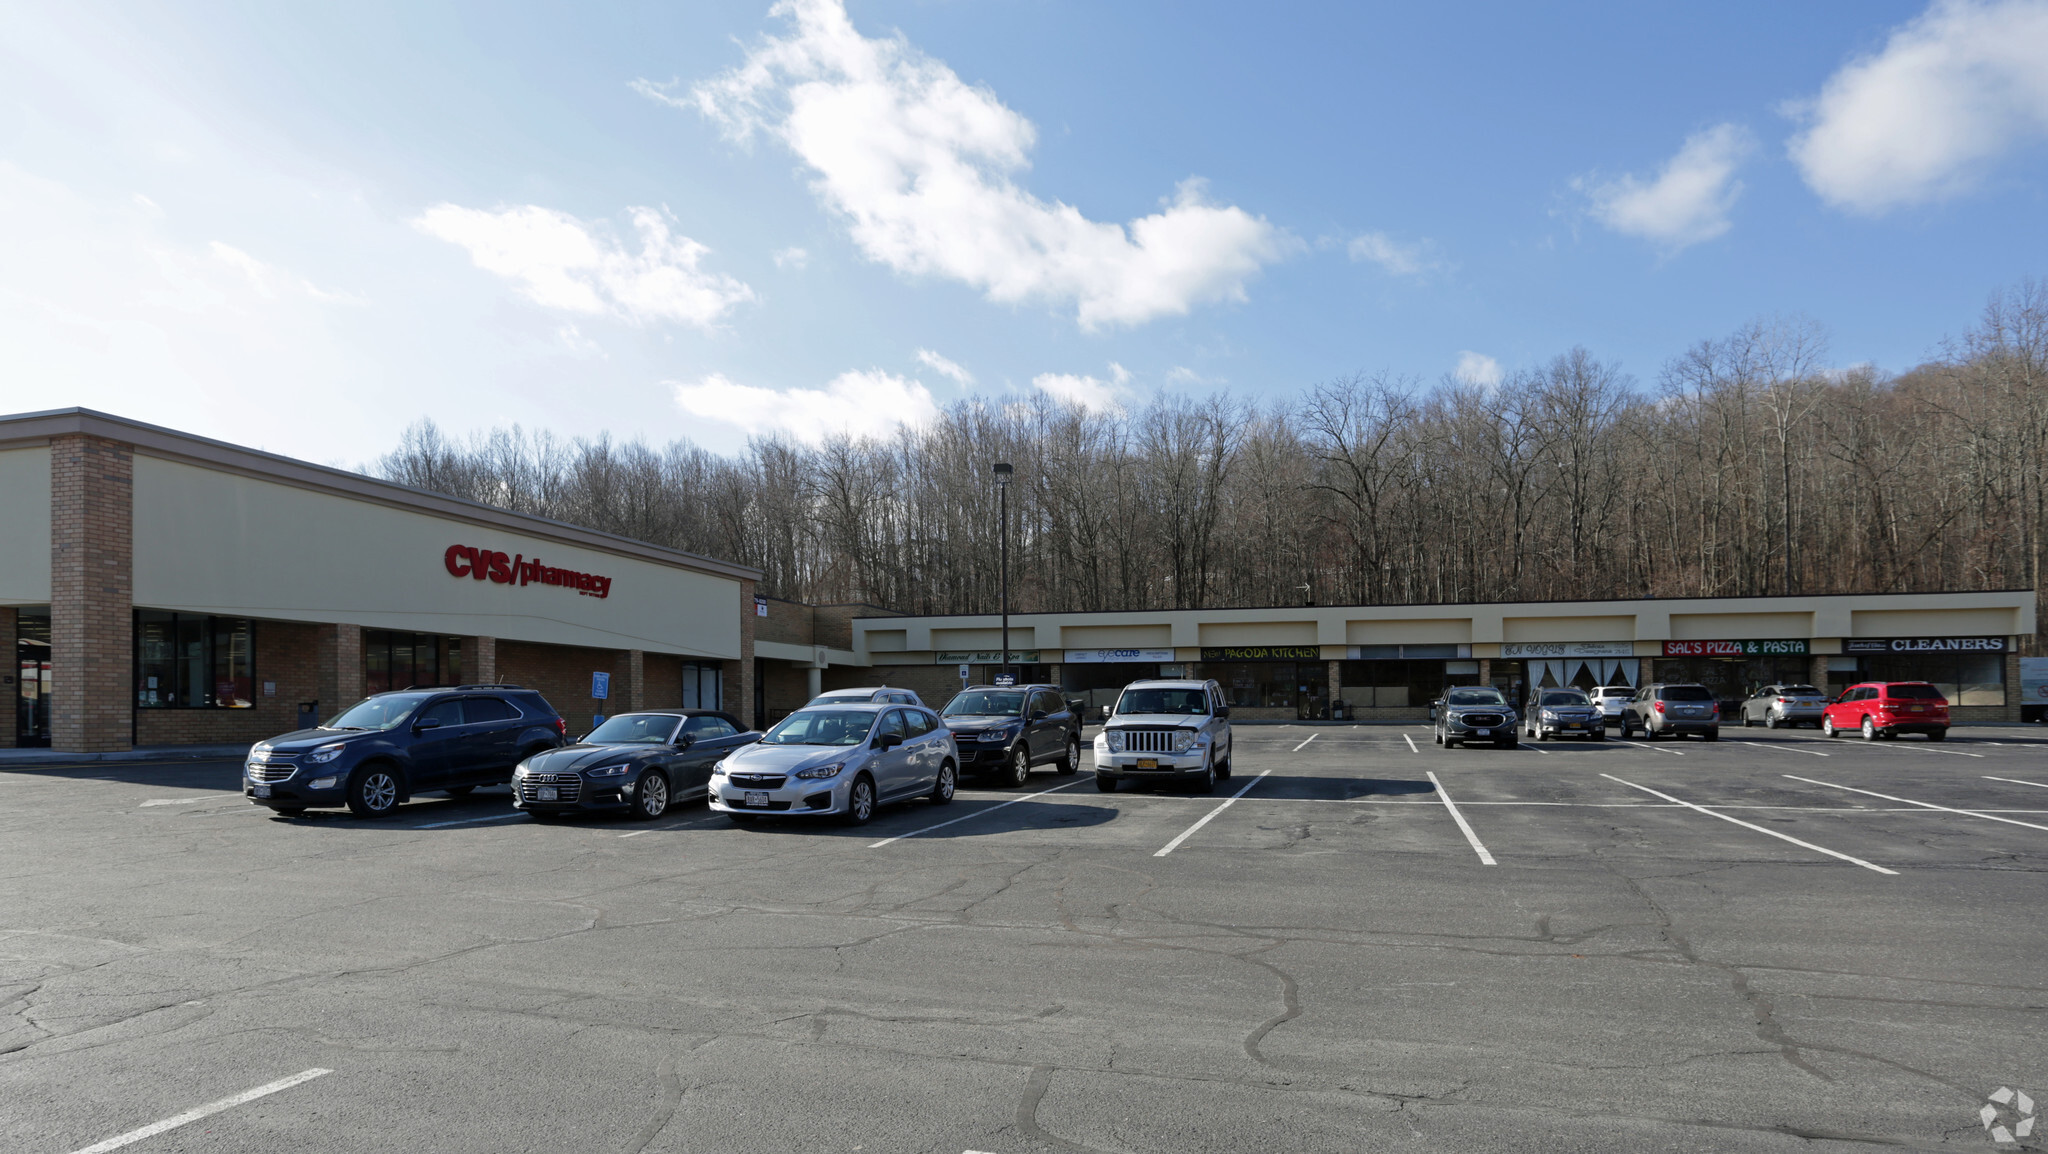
{"type": "Point", "coordinates": [384, 711]}
{"type": "Point", "coordinates": [1912, 693]}
{"type": "Point", "coordinates": [1190, 701]}
{"type": "Point", "coordinates": [1799, 691]}
{"type": "Point", "coordinates": [1475, 697]}
{"type": "Point", "coordinates": [635, 729]}
{"type": "Point", "coordinates": [1564, 697]}
{"type": "Point", "coordinates": [1687, 693]}
{"type": "Point", "coordinates": [822, 727]}
{"type": "Point", "coordinates": [986, 703]}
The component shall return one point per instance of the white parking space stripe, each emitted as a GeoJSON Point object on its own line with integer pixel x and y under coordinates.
{"type": "Point", "coordinates": [1485, 857]}
{"type": "Point", "coordinates": [470, 821]}
{"type": "Point", "coordinates": [185, 800]}
{"type": "Point", "coordinates": [196, 1113]}
{"type": "Point", "coordinates": [1411, 743]}
{"type": "Point", "coordinates": [1297, 749]}
{"type": "Point", "coordinates": [1781, 745]}
{"type": "Point", "coordinates": [1757, 828]}
{"type": "Point", "coordinates": [1923, 804]}
{"type": "Point", "coordinates": [1649, 748]}
{"type": "Point", "coordinates": [1538, 749]}
{"type": "Point", "coordinates": [2017, 781]}
{"type": "Point", "coordinates": [1208, 817]}
{"type": "Point", "coordinates": [975, 814]}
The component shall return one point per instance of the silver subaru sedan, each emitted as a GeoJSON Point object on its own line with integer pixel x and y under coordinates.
{"type": "Point", "coordinates": [839, 759]}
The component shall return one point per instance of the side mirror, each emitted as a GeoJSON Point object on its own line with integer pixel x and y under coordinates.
{"type": "Point", "coordinates": [889, 741]}
{"type": "Point", "coordinates": [1223, 711]}
{"type": "Point", "coordinates": [426, 723]}
{"type": "Point", "coordinates": [1039, 715]}
{"type": "Point", "coordinates": [686, 741]}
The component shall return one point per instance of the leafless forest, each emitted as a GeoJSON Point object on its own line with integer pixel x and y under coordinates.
{"type": "Point", "coordinates": [1747, 467]}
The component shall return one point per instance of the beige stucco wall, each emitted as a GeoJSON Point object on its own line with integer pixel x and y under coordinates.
{"type": "Point", "coordinates": [1021, 637]}
{"type": "Point", "coordinates": [25, 526]}
{"type": "Point", "coordinates": [217, 542]}
{"type": "Point", "coordinates": [1224, 633]}
{"type": "Point", "coordinates": [1116, 636]}
{"type": "Point", "coordinates": [1727, 626]}
{"type": "Point", "coordinates": [1577, 627]}
{"type": "Point", "coordinates": [1422, 631]}
{"type": "Point", "coordinates": [1933, 623]}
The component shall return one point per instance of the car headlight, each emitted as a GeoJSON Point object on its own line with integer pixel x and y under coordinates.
{"type": "Point", "coordinates": [608, 770]}
{"type": "Point", "coordinates": [994, 735]}
{"type": "Point", "coordinates": [1183, 741]}
{"type": "Point", "coordinates": [1549, 715]}
{"type": "Point", "coordinates": [820, 772]}
{"type": "Point", "coordinates": [1116, 740]}
{"type": "Point", "coordinates": [325, 753]}
{"type": "Point", "coordinates": [718, 768]}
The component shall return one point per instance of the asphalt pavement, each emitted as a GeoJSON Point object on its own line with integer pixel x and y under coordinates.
{"type": "Point", "coordinates": [1361, 942]}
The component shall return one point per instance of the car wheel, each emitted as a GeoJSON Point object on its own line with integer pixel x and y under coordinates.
{"type": "Point", "coordinates": [1747, 721]}
{"type": "Point", "coordinates": [1827, 726]}
{"type": "Point", "coordinates": [1937, 735]}
{"type": "Point", "coordinates": [1207, 782]}
{"type": "Point", "coordinates": [1437, 736]}
{"type": "Point", "coordinates": [1223, 770]}
{"type": "Point", "coordinates": [942, 789]}
{"type": "Point", "coordinates": [459, 790]}
{"type": "Point", "coordinates": [860, 801]}
{"type": "Point", "coordinates": [650, 795]}
{"type": "Point", "coordinates": [1070, 762]}
{"type": "Point", "coordinates": [1017, 770]}
{"type": "Point", "coordinates": [373, 791]}
{"type": "Point", "coordinates": [1869, 728]}
{"type": "Point", "coordinates": [1770, 721]}
{"type": "Point", "coordinates": [1105, 782]}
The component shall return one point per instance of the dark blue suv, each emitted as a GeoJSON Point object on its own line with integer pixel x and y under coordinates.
{"type": "Point", "coordinates": [385, 748]}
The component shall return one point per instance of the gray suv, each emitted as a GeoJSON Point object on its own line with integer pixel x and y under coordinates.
{"type": "Point", "coordinates": [1661, 710]}
{"type": "Point", "coordinates": [1009, 729]}
{"type": "Point", "coordinates": [1165, 731]}
{"type": "Point", "coordinates": [1474, 713]}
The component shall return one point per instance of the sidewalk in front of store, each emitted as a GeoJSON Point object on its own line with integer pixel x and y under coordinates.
{"type": "Point", "coordinates": [10, 758]}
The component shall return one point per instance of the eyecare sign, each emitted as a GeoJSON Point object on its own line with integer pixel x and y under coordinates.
{"type": "Point", "coordinates": [519, 569]}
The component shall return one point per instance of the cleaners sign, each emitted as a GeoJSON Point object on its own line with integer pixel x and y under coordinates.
{"type": "Point", "coordinates": [485, 565]}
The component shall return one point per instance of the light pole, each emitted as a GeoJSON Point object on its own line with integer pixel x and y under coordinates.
{"type": "Point", "coordinates": [1003, 472]}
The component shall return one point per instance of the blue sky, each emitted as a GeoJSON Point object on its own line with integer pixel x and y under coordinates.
{"type": "Point", "coordinates": [304, 226]}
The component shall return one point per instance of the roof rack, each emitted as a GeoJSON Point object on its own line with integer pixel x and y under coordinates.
{"type": "Point", "coordinates": [499, 686]}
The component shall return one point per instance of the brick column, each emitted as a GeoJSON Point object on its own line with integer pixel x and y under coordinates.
{"type": "Point", "coordinates": [92, 607]}
{"type": "Point", "coordinates": [480, 660]}
{"type": "Point", "coordinates": [2015, 689]}
{"type": "Point", "coordinates": [340, 660]}
{"type": "Point", "coordinates": [636, 680]}
{"type": "Point", "coordinates": [1336, 684]}
{"type": "Point", "coordinates": [741, 705]}
{"type": "Point", "coordinates": [1817, 671]}
{"type": "Point", "coordinates": [10, 678]}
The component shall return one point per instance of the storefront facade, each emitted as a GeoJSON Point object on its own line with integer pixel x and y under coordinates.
{"type": "Point", "coordinates": [163, 589]}
{"type": "Point", "coordinates": [1388, 662]}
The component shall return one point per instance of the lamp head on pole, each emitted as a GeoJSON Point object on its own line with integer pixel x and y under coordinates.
{"type": "Point", "coordinates": [1003, 472]}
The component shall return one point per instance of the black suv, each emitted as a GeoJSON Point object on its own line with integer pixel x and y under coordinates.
{"type": "Point", "coordinates": [1011, 728]}
{"type": "Point", "coordinates": [387, 747]}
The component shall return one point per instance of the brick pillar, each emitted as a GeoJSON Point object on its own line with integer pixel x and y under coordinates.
{"type": "Point", "coordinates": [741, 704]}
{"type": "Point", "coordinates": [480, 660]}
{"type": "Point", "coordinates": [1817, 671]}
{"type": "Point", "coordinates": [340, 659]}
{"type": "Point", "coordinates": [1336, 683]}
{"type": "Point", "coordinates": [636, 680]}
{"type": "Point", "coordinates": [2015, 691]}
{"type": "Point", "coordinates": [10, 674]}
{"type": "Point", "coordinates": [1485, 673]}
{"type": "Point", "coordinates": [92, 607]}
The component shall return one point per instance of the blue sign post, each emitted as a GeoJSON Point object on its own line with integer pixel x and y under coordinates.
{"type": "Point", "coordinates": [600, 685]}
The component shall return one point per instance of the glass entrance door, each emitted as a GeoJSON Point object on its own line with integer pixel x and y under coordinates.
{"type": "Point", "coordinates": [32, 679]}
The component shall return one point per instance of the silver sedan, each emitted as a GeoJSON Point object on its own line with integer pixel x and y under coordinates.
{"type": "Point", "coordinates": [839, 759]}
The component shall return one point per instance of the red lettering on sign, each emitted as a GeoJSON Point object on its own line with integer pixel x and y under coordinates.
{"type": "Point", "coordinates": [507, 569]}
{"type": "Point", "coordinates": [457, 560]}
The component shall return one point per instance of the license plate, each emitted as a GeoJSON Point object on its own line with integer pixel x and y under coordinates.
{"type": "Point", "coordinates": [1574, 725]}
{"type": "Point", "coordinates": [1148, 763]}
{"type": "Point", "coordinates": [1482, 732]}
{"type": "Point", "coordinates": [547, 793]}
{"type": "Point", "coordinates": [262, 791]}
{"type": "Point", "coordinates": [756, 799]}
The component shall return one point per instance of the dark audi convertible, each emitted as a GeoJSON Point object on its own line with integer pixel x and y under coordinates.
{"type": "Point", "coordinates": [640, 762]}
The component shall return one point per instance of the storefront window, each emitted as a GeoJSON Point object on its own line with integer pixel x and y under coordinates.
{"type": "Point", "coordinates": [1399, 684]}
{"type": "Point", "coordinates": [32, 678]}
{"type": "Point", "coordinates": [393, 660]}
{"type": "Point", "coordinates": [1733, 679]}
{"type": "Point", "coordinates": [1293, 685]}
{"type": "Point", "coordinates": [1963, 678]}
{"type": "Point", "coordinates": [186, 661]}
{"type": "Point", "coordinates": [703, 685]}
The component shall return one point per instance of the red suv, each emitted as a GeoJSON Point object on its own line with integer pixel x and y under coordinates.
{"type": "Point", "coordinates": [1886, 709]}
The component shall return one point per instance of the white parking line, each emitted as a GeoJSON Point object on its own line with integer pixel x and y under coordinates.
{"type": "Point", "coordinates": [185, 800]}
{"type": "Point", "coordinates": [1647, 746]}
{"type": "Point", "coordinates": [1208, 817]}
{"type": "Point", "coordinates": [1485, 858]}
{"type": "Point", "coordinates": [470, 821]}
{"type": "Point", "coordinates": [975, 814]}
{"type": "Point", "coordinates": [1780, 745]}
{"type": "Point", "coordinates": [198, 1112]}
{"type": "Point", "coordinates": [1757, 828]}
{"type": "Point", "coordinates": [2017, 781]}
{"type": "Point", "coordinates": [1311, 737]}
{"type": "Point", "coordinates": [1922, 804]}
{"type": "Point", "coordinates": [1526, 745]}
{"type": "Point", "coordinates": [1411, 743]}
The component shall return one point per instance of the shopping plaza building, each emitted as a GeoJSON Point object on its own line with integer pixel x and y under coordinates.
{"type": "Point", "coordinates": [162, 589]}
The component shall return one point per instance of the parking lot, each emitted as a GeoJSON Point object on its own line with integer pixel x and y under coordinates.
{"type": "Point", "coordinates": [1360, 942]}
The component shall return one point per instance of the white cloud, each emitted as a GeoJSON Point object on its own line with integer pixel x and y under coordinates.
{"type": "Point", "coordinates": [1690, 198]}
{"type": "Point", "coordinates": [562, 263]}
{"type": "Point", "coordinates": [944, 366]}
{"type": "Point", "coordinates": [859, 404]}
{"type": "Point", "coordinates": [1094, 393]}
{"type": "Point", "coordinates": [922, 165]}
{"type": "Point", "coordinates": [791, 257]}
{"type": "Point", "coordinates": [1396, 257]}
{"type": "Point", "coordinates": [1477, 369]}
{"type": "Point", "coordinates": [1925, 117]}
